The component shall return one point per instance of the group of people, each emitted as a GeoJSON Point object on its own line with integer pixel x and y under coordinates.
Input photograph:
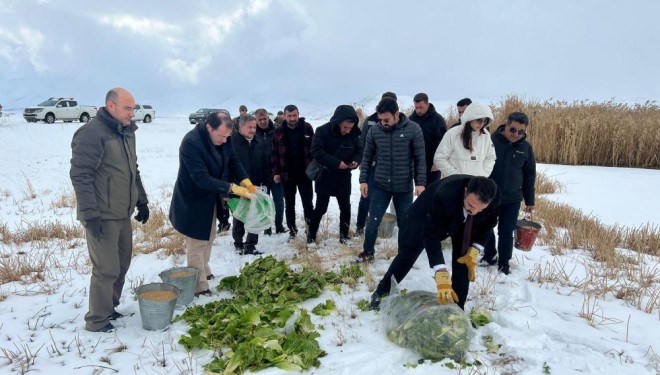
{"type": "Point", "coordinates": [465, 179]}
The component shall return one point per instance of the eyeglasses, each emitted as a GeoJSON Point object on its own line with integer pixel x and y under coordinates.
{"type": "Point", "coordinates": [514, 131]}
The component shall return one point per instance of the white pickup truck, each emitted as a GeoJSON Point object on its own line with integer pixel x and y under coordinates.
{"type": "Point", "coordinates": [144, 113]}
{"type": "Point", "coordinates": [66, 109]}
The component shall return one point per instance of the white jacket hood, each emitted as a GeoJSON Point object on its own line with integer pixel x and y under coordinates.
{"type": "Point", "coordinates": [475, 111]}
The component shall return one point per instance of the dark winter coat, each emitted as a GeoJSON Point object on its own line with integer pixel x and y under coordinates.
{"type": "Point", "coordinates": [438, 213]}
{"type": "Point", "coordinates": [515, 168]}
{"type": "Point", "coordinates": [253, 156]}
{"type": "Point", "coordinates": [330, 148]}
{"type": "Point", "coordinates": [433, 127]}
{"type": "Point", "coordinates": [205, 174]}
{"type": "Point", "coordinates": [104, 170]}
{"type": "Point", "coordinates": [399, 156]}
{"type": "Point", "coordinates": [278, 157]}
{"type": "Point", "coordinates": [266, 135]}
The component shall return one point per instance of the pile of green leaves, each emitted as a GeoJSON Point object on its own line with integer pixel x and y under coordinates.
{"type": "Point", "coordinates": [349, 275]}
{"type": "Point", "coordinates": [480, 317]}
{"type": "Point", "coordinates": [324, 309]}
{"type": "Point", "coordinates": [252, 324]}
{"type": "Point", "coordinates": [416, 321]}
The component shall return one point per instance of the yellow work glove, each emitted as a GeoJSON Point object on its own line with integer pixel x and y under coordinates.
{"type": "Point", "coordinates": [445, 293]}
{"type": "Point", "coordinates": [470, 259]}
{"type": "Point", "coordinates": [240, 191]}
{"type": "Point", "coordinates": [246, 183]}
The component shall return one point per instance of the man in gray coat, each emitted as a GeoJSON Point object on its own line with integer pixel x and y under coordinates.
{"type": "Point", "coordinates": [106, 180]}
{"type": "Point", "coordinates": [396, 144]}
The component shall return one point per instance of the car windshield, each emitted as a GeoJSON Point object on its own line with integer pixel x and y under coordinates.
{"type": "Point", "coordinates": [48, 103]}
{"type": "Point", "coordinates": [201, 110]}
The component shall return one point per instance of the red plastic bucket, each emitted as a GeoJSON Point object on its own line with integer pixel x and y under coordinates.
{"type": "Point", "coordinates": [526, 232]}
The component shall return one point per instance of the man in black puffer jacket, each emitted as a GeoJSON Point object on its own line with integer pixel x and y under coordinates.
{"type": "Point", "coordinates": [337, 147]}
{"type": "Point", "coordinates": [363, 206]}
{"type": "Point", "coordinates": [396, 144]}
{"type": "Point", "coordinates": [514, 173]}
{"type": "Point", "coordinates": [433, 127]}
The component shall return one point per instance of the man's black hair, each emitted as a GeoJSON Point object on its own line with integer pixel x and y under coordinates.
{"type": "Point", "coordinates": [421, 97]}
{"type": "Point", "coordinates": [215, 121]}
{"type": "Point", "coordinates": [518, 117]}
{"type": "Point", "coordinates": [387, 105]}
{"type": "Point", "coordinates": [388, 94]}
{"type": "Point", "coordinates": [463, 102]}
{"type": "Point", "coordinates": [483, 187]}
{"type": "Point", "coordinates": [290, 108]}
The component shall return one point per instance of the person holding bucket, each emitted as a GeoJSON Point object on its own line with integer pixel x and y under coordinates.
{"type": "Point", "coordinates": [207, 165]}
{"type": "Point", "coordinates": [514, 173]}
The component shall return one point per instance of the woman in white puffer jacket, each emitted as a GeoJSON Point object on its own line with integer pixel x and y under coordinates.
{"type": "Point", "coordinates": [467, 149]}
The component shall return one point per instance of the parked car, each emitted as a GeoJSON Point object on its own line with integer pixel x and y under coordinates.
{"type": "Point", "coordinates": [66, 109]}
{"type": "Point", "coordinates": [144, 113]}
{"type": "Point", "coordinates": [201, 114]}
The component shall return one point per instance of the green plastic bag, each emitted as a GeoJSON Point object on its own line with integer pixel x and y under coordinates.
{"type": "Point", "coordinates": [416, 321]}
{"type": "Point", "coordinates": [257, 214]}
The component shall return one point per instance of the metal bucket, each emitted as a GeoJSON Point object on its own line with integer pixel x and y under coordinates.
{"type": "Point", "coordinates": [526, 232]}
{"type": "Point", "coordinates": [387, 224]}
{"type": "Point", "coordinates": [187, 284]}
{"type": "Point", "coordinates": [156, 314]}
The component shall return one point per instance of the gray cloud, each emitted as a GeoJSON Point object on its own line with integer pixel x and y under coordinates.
{"type": "Point", "coordinates": [183, 55]}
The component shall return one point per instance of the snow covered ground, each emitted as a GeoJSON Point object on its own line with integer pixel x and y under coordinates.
{"type": "Point", "coordinates": [538, 327]}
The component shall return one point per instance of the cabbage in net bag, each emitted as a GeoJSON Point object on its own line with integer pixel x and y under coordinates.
{"type": "Point", "coordinates": [416, 321]}
{"type": "Point", "coordinates": [257, 214]}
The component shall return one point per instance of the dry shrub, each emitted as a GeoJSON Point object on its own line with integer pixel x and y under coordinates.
{"type": "Point", "coordinates": [67, 199]}
{"type": "Point", "coordinates": [156, 234]}
{"type": "Point", "coordinates": [26, 267]}
{"type": "Point", "coordinates": [589, 133]}
{"type": "Point", "coordinates": [645, 239]}
{"type": "Point", "coordinates": [545, 185]}
{"type": "Point", "coordinates": [41, 231]}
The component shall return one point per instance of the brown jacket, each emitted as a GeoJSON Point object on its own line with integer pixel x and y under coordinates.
{"type": "Point", "coordinates": [104, 170]}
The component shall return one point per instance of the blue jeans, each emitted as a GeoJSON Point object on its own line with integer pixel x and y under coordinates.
{"type": "Point", "coordinates": [277, 191]}
{"type": "Point", "coordinates": [380, 200]}
{"type": "Point", "coordinates": [363, 206]}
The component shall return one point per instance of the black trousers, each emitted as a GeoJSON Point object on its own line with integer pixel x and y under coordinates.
{"type": "Point", "coordinates": [409, 251]}
{"type": "Point", "coordinates": [321, 208]}
{"type": "Point", "coordinates": [222, 213]}
{"type": "Point", "coordinates": [238, 231]}
{"type": "Point", "coordinates": [506, 223]}
{"type": "Point", "coordinates": [304, 186]}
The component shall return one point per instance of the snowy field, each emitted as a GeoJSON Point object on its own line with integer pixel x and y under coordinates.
{"type": "Point", "coordinates": [538, 327]}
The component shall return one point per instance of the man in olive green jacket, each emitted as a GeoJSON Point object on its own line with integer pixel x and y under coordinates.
{"type": "Point", "coordinates": [106, 180]}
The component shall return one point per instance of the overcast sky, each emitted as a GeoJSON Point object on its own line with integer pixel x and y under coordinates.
{"type": "Point", "coordinates": [180, 56]}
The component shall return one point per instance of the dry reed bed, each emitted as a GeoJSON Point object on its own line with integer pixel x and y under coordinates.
{"type": "Point", "coordinates": [629, 275]}
{"type": "Point", "coordinates": [589, 133]}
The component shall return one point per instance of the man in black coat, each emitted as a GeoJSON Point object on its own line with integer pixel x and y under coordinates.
{"type": "Point", "coordinates": [337, 147]}
{"type": "Point", "coordinates": [292, 153]}
{"type": "Point", "coordinates": [459, 206]}
{"type": "Point", "coordinates": [461, 105]}
{"type": "Point", "coordinates": [265, 131]}
{"type": "Point", "coordinates": [207, 165]}
{"type": "Point", "coordinates": [433, 127]}
{"type": "Point", "coordinates": [514, 173]}
{"type": "Point", "coordinates": [251, 152]}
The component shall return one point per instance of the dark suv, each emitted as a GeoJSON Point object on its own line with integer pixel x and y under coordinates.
{"type": "Point", "coordinates": [201, 114]}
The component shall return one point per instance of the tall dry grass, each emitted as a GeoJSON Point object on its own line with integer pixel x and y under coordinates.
{"type": "Point", "coordinates": [589, 133]}
{"type": "Point", "coordinates": [584, 132]}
